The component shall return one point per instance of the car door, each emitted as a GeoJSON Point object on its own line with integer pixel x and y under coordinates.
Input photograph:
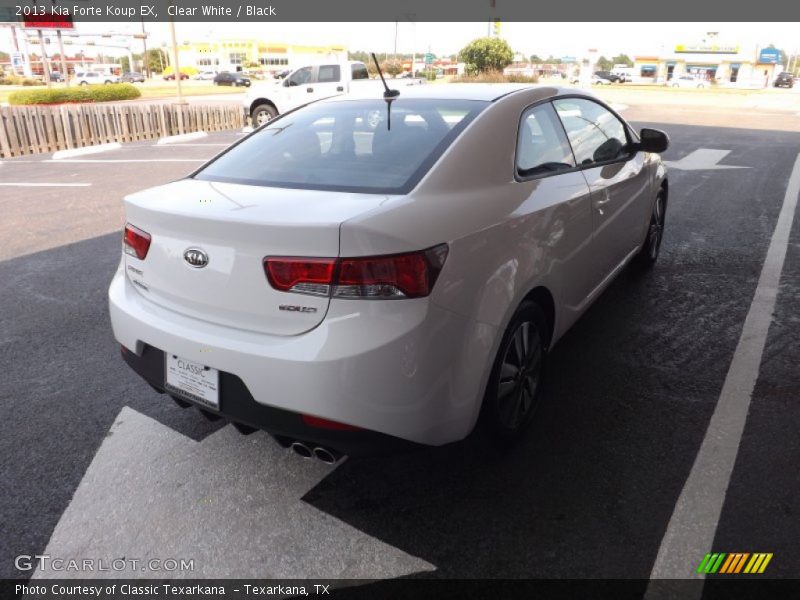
{"type": "Point", "coordinates": [327, 81]}
{"type": "Point", "coordinates": [617, 179]}
{"type": "Point", "coordinates": [561, 199]}
{"type": "Point", "coordinates": [300, 86]}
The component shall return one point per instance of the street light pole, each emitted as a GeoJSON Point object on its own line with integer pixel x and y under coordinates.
{"type": "Point", "coordinates": [64, 70]}
{"type": "Point", "coordinates": [45, 66]}
{"type": "Point", "coordinates": [146, 64]}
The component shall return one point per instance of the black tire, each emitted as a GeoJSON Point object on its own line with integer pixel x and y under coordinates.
{"type": "Point", "coordinates": [648, 255]}
{"type": "Point", "coordinates": [513, 393]}
{"type": "Point", "coordinates": [263, 113]}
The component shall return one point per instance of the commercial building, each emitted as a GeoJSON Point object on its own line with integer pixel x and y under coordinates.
{"type": "Point", "coordinates": [236, 54]}
{"type": "Point", "coordinates": [729, 64]}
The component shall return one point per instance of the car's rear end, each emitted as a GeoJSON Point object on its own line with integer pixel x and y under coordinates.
{"type": "Point", "coordinates": [232, 293]}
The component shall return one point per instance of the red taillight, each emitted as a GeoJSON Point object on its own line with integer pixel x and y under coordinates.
{"type": "Point", "coordinates": [409, 275]}
{"type": "Point", "coordinates": [321, 423]}
{"type": "Point", "coordinates": [136, 242]}
{"type": "Point", "coordinates": [305, 275]}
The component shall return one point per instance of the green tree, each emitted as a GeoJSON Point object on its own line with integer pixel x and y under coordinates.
{"type": "Point", "coordinates": [622, 59]}
{"type": "Point", "coordinates": [391, 67]}
{"type": "Point", "coordinates": [486, 54]}
{"type": "Point", "coordinates": [604, 64]}
{"type": "Point", "coordinates": [535, 59]}
{"type": "Point", "coordinates": [156, 60]}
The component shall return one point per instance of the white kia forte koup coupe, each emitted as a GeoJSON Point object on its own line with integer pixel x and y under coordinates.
{"type": "Point", "coordinates": [362, 273]}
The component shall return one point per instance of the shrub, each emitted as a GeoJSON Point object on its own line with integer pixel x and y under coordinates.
{"type": "Point", "coordinates": [84, 93]}
{"type": "Point", "coordinates": [495, 77]}
{"type": "Point", "coordinates": [13, 79]}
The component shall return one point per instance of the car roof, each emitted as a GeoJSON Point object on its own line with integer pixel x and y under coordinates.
{"type": "Point", "coordinates": [487, 92]}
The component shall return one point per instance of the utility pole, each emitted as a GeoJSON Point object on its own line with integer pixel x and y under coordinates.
{"type": "Point", "coordinates": [146, 63]}
{"type": "Point", "coordinates": [177, 73]}
{"type": "Point", "coordinates": [45, 66]}
{"type": "Point", "coordinates": [64, 70]}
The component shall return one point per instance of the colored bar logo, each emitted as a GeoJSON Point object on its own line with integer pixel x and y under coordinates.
{"type": "Point", "coordinates": [734, 563]}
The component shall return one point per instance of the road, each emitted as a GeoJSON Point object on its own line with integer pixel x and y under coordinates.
{"type": "Point", "coordinates": [90, 452]}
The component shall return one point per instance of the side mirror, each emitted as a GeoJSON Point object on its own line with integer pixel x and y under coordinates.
{"type": "Point", "coordinates": [652, 140]}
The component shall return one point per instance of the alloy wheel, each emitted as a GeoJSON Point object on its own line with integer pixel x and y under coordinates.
{"type": "Point", "coordinates": [520, 374]}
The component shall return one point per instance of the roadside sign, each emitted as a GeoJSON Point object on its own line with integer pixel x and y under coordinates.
{"type": "Point", "coordinates": [428, 58]}
{"type": "Point", "coordinates": [16, 60]}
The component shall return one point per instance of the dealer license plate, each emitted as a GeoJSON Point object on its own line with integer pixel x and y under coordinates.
{"type": "Point", "coordinates": [191, 380]}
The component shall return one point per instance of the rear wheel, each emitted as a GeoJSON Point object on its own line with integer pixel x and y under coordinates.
{"type": "Point", "coordinates": [264, 113]}
{"type": "Point", "coordinates": [648, 255]}
{"type": "Point", "coordinates": [514, 388]}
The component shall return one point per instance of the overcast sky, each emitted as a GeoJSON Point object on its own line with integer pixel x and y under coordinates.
{"type": "Point", "coordinates": [558, 39]}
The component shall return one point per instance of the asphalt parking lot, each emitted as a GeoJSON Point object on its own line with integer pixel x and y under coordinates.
{"type": "Point", "coordinates": [95, 461]}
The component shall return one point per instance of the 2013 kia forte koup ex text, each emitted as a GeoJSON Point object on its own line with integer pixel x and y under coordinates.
{"type": "Point", "coordinates": [363, 272]}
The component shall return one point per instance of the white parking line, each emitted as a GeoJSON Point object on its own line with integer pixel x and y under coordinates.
{"type": "Point", "coordinates": [189, 144]}
{"type": "Point", "coordinates": [122, 160]}
{"type": "Point", "coordinates": [693, 525]}
{"type": "Point", "coordinates": [61, 154]}
{"type": "Point", "coordinates": [16, 184]}
{"type": "Point", "coordinates": [183, 137]}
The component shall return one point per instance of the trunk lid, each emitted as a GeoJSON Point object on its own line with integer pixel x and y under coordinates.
{"type": "Point", "coordinates": [236, 226]}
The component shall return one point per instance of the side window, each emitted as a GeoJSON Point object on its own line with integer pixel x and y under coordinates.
{"type": "Point", "coordinates": [542, 146]}
{"type": "Point", "coordinates": [329, 74]}
{"type": "Point", "coordinates": [595, 133]}
{"type": "Point", "coordinates": [359, 71]}
{"type": "Point", "coordinates": [300, 76]}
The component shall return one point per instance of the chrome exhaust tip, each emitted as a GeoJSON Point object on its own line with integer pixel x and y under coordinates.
{"type": "Point", "coordinates": [301, 449]}
{"type": "Point", "coordinates": [329, 457]}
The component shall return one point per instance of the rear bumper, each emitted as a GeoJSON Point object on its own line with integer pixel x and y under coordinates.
{"type": "Point", "coordinates": [238, 406]}
{"type": "Point", "coordinates": [406, 369]}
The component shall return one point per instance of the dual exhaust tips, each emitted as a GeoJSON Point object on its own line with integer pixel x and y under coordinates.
{"type": "Point", "coordinates": [326, 455]}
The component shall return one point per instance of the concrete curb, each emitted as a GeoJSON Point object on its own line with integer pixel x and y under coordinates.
{"type": "Point", "coordinates": [183, 137]}
{"type": "Point", "coordinates": [87, 150]}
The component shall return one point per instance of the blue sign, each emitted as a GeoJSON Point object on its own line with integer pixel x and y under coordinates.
{"type": "Point", "coordinates": [770, 56]}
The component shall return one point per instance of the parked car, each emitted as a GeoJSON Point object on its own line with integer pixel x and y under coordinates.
{"type": "Point", "coordinates": [281, 74]}
{"type": "Point", "coordinates": [234, 79]}
{"type": "Point", "coordinates": [364, 293]}
{"type": "Point", "coordinates": [206, 75]}
{"type": "Point", "coordinates": [784, 79]}
{"type": "Point", "coordinates": [92, 77]}
{"type": "Point", "coordinates": [56, 77]}
{"type": "Point", "coordinates": [171, 77]}
{"type": "Point", "coordinates": [600, 80]}
{"type": "Point", "coordinates": [688, 81]}
{"type": "Point", "coordinates": [132, 77]}
{"type": "Point", "coordinates": [306, 84]}
{"type": "Point", "coordinates": [608, 75]}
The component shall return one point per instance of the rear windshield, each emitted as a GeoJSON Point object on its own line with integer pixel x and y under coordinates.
{"type": "Point", "coordinates": [347, 146]}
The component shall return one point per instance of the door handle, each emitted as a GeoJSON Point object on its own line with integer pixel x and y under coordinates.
{"type": "Point", "coordinates": [309, 90]}
{"type": "Point", "coordinates": [340, 89]}
{"type": "Point", "coordinates": [602, 202]}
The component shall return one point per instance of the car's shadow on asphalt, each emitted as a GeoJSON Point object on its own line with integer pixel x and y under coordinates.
{"type": "Point", "coordinates": [590, 489]}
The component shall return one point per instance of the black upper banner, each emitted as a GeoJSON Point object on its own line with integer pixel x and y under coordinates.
{"type": "Point", "coordinates": [59, 13]}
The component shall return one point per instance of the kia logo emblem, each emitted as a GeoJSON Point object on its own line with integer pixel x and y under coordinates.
{"type": "Point", "coordinates": [196, 258]}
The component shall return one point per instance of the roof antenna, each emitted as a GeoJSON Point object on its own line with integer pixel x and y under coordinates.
{"type": "Point", "coordinates": [388, 94]}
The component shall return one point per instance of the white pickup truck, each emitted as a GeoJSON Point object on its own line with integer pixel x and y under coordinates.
{"type": "Point", "coordinates": [267, 100]}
